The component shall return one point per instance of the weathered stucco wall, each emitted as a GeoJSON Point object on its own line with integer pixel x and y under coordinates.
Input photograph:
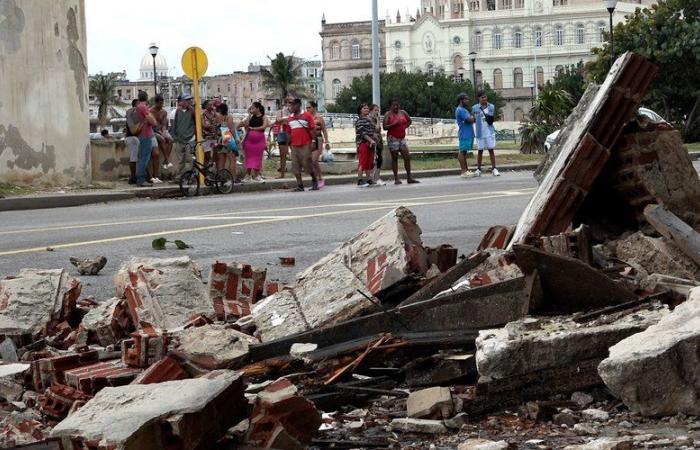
{"type": "Point", "coordinates": [43, 92]}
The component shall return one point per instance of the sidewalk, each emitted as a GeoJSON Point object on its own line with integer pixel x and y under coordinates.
{"type": "Point", "coordinates": [124, 191]}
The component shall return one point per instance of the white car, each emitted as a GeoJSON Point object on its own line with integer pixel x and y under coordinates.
{"type": "Point", "coordinates": [646, 112]}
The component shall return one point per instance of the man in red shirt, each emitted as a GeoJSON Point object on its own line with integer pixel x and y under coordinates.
{"type": "Point", "coordinates": [303, 132]}
{"type": "Point", "coordinates": [396, 122]}
{"type": "Point", "coordinates": [147, 122]}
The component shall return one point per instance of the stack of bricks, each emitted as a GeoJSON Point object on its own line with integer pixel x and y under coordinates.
{"type": "Point", "coordinates": [58, 400]}
{"type": "Point", "coordinates": [91, 379]}
{"type": "Point", "coordinates": [145, 347]}
{"type": "Point", "coordinates": [234, 288]}
{"type": "Point", "coordinates": [49, 371]}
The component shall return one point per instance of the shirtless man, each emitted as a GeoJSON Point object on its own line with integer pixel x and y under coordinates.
{"type": "Point", "coordinates": [165, 140]}
{"type": "Point", "coordinates": [317, 144]}
{"type": "Point", "coordinates": [284, 135]}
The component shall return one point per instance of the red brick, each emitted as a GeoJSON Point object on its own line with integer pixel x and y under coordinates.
{"type": "Point", "coordinates": [233, 288]}
{"type": "Point", "coordinates": [48, 371]}
{"type": "Point", "coordinates": [167, 369]}
{"type": "Point", "coordinates": [144, 348]}
{"type": "Point", "coordinates": [58, 400]}
{"type": "Point", "coordinates": [90, 379]}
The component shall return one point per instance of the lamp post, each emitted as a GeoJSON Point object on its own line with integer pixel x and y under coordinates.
{"type": "Point", "coordinates": [472, 57]}
{"type": "Point", "coordinates": [610, 6]}
{"type": "Point", "coordinates": [354, 104]}
{"type": "Point", "coordinates": [154, 51]}
{"type": "Point", "coordinates": [430, 93]}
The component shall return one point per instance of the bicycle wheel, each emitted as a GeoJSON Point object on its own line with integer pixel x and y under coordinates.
{"type": "Point", "coordinates": [189, 183]}
{"type": "Point", "coordinates": [224, 181]}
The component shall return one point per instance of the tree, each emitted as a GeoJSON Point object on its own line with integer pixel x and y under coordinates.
{"type": "Point", "coordinates": [413, 92]}
{"type": "Point", "coordinates": [552, 107]}
{"type": "Point", "coordinates": [102, 89]}
{"type": "Point", "coordinates": [284, 76]}
{"type": "Point", "coordinates": [572, 80]}
{"type": "Point", "coordinates": [668, 34]}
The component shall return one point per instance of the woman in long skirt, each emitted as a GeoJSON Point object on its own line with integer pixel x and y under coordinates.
{"type": "Point", "coordinates": [254, 143]}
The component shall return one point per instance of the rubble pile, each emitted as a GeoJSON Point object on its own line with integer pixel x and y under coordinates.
{"type": "Point", "coordinates": [576, 328]}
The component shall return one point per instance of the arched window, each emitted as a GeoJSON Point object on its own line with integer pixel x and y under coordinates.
{"type": "Point", "coordinates": [517, 77]}
{"type": "Point", "coordinates": [336, 88]}
{"type": "Point", "coordinates": [602, 29]}
{"type": "Point", "coordinates": [498, 79]}
{"type": "Point", "coordinates": [538, 37]}
{"type": "Point", "coordinates": [517, 38]}
{"type": "Point", "coordinates": [335, 50]}
{"type": "Point", "coordinates": [580, 34]}
{"type": "Point", "coordinates": [477, 41]}
{"type": "Point", "coordinates": [496, 39]}
{"type": "Point", "coordinates": [355, 49]}
{"type": "Point", "coordinates": [479, 78]}
{"type": "Point", "coordinates": [457, 63]}
{"type": "Point", "coordinates": [540, 76]}
{"type": "Point", "coordinates": [518, 115]}
{"type": "Point", "coordinates": [398, 65]}
{"type": "Point", "coordinates": [559, 35]}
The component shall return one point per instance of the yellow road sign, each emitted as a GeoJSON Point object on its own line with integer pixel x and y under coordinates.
{"type": "Point", "coordinates": [194, 62]}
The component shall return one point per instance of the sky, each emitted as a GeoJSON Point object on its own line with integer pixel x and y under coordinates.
{"type": "Point", "coordinates": [233, 33]}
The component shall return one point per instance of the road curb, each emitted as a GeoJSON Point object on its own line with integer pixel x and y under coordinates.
{"type": "Point", "coordinates": [170, 191]}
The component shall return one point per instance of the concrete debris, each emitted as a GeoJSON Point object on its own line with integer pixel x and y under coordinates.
{"type": "Point", "coordinates": [91, 379]}
{"type": "Point", "coordinates": [655, 372]}
{"type": "Point", "coordinates": [20, 428]}
{"type": "Point", "coordinates": [8, 351]}
{"type": "Point", "coordinates": [58, 401]}
{"type": "Point", "coordinates": [107, 323]}
{"type": "Point", "coordinates": [162, 293]}
{"type": "Point", "coordinates": [482, 444]}
{"type": "Point", "coordinates": [431, 403]}
{"type": "Point", "coordinates": [581, 399]}
{"type": "Point", "coordinates": [234, 289]}
{"type": "Point", "coordinates": [145, 347]}
{"type": "Point", "coordinates": [605, 444]}
{"type": "Point", "coordinates": [299, 351]}
{"type": "Point", "coordinates": [211, 346]}
{"type": "Point", "coordinates": [376, 262]}
{"type": "Point", "coordinates": [673, 228]}
{"type": "Point", "coordinates": [499, 266]}
{"type": "Point", "coordinates": [35, 301]}
{"type": "Point", "coordinates": [424, 426]}
{"type": "Point", "coordinates": [167, 369]}
{"type": "Point", "coordinates": [89, 266]}
{"type": "Point", "coordinates": [595, 415]}
{"type": "Point", "coordinates": [195, 412]}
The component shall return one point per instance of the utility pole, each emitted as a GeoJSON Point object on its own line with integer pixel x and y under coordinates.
{"type": "Point", "coordinates": [376, 97]}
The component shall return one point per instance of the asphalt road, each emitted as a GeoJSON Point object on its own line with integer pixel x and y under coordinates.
{"type": "Point", "coordinates": [256, 228]}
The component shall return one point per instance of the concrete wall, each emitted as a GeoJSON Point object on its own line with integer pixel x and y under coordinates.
{"type": "Point", "coordinates": [43, 92]}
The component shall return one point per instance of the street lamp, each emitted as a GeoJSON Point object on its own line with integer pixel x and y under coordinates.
{"type": "Point", "coordinates": [154, 51]}
{"type": "Point", "coordinates": [472, 57]}
{"type": "Point", "coordinates": [430, 85]}
{"type": "Point", "coordinates": [354, 104]}
{"type": "Point", "coordinates": [610, 6]}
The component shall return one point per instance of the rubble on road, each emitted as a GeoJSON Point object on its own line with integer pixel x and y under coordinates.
{"type": "Point", "coordinates": [89, 266]}
{"type": "Point", "coordinates": [211, 347]}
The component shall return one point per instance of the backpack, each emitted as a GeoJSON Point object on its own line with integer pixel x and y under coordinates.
{"type": "Point", "coordinates": [135, 129]}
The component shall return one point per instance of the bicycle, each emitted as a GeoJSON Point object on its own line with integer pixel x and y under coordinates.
{"type": "Point", "coordinates": [221, 179]}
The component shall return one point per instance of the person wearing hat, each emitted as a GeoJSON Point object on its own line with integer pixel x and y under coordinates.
{"type": "Point", "coordinates": [182, 131]}
{"type": "Point", "coordinates": [465, 133]}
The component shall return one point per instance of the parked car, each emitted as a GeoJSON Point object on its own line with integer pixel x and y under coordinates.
{"type": "Point", "coordinates": [646, 112]}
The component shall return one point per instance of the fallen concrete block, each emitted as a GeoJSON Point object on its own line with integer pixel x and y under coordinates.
{"type": "Point", "coordinates": [89, 266]}
{"type": "Point", "coordinates": [167, 369]}
{"type": "Point", "coordinates": [11, 380]}
{"type": "Point", "coordinates": [376, 262]}
{"type": "Point", "coordinates": [431, 403]}
{"type": "Point", "coordinates": [108, 323]}
{"type": "Point", "coordinates": [234, 288]}
{"type": "Point", "coordinates": [482, 444]}
{"type": "Point", "coordinates": [48, 371]}
{"type": "Point", "coordinates": [145, 347]}
{"type": "Point", "coordinates": [35, 301]}
{"type": "Point", "coordinates": [162, 293]}
{"type": "Point", "coordinates": [211, 346]}
{"type": "Point", "coordinates": [655, 372]}
{"type": "Point", "coordinates": [58, 400]}
{"type": "Point", "coordinates": [191, 414]}
{"type": "Point", "coordinates": [91, 379]}
{"type": "Point", "coordinates": [606, 443]}
{"type": "Point", "coordinates": [595, 415]}
{"type": "Point", "coordinates": [423, 426]}
{"type": "Point", "coordinates": [531, 345]}
{"type": "Point", "coordinates": [279, 405]}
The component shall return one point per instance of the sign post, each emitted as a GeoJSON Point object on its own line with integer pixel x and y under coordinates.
{"type": "Point", "coordinates": [194, 64]}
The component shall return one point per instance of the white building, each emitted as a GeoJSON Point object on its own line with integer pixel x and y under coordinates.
{"type": "Point", "coordinates": [146, 67]}
{"type": "Point", "coordinates": [513, 42]}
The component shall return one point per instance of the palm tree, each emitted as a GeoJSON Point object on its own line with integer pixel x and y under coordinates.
{"type": "Point", "coordinates": [102, 89]}
{"type": "Point", "coordinates": [284, 76]}
{"type": "Point", "coordinates": [552, 107]}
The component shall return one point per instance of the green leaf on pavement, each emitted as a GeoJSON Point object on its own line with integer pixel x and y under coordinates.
{"type": "Point", "coordinates": [181, 245]}
{"type": "Point", "coordinates": [159, 244]}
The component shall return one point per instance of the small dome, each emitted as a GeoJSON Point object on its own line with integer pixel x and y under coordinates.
{"type": "Point", "coordinates": [146, 68]}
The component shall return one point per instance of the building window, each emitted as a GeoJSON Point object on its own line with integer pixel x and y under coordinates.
{"type": "Point", "coordinates": [398, 65]}
{"type": "Point", "coordinates": [477, 41]}
{"type": "Point", "coordinates": [336, 88]}
{"type": "Point", "coordinates": [518, 115]}
{"type": "Point", "coordinates": [506, 4]}
{"type": "Point", "coordinates": [355, 50]}
{"type": "Point", "coordinates": [517, 38]}
{"type": "Point", "coordinates": [474, 5]}
{"type": "Point", "coordinates": [335, 50]}
{"type": "Point", "coordinates": [540, 76]}
{"type": "Point", "coordinates": [518, 77]}
{"type": "Point", "coordinates": [560, 2]}
{"type": "Point", "coordinates": [479, 78]}
{"type": "Point", "coordinates": [580, 34]}
{"type": "Point", "coordinates": [559, 35]}
{"type": "Point", "coordinates": [490, 5]}
{"type": "Point", "coordinates": [430, 68]}
{"type": "Point", "coordinates": [498, 79]}
{"type": "Point", "coordinates": [519, 4]}
{"type": "Point", "coordinates": [497, 40]}
{"type": "Point", "coordinates": [601, 31]}
{"type": "Point", "coordinates": [538, 37]}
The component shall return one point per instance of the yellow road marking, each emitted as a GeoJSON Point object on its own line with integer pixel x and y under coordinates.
{"type": "Point", "coordinates": [466, 198]}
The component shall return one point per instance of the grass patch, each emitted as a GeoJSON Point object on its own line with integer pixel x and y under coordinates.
{"type": "Point", "coordinates": [451, 163]}
{"type": "Point", "coordinates": [11, 190]}
{"type": "Point", "coordinates": [693, 147]}
{"type": "Point", "coordinates": [503, 145]}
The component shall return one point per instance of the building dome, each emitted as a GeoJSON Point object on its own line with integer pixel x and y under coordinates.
{"type": "Point", "coordinates": [146, 68]}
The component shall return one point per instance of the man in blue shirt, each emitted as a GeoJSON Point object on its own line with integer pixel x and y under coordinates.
{"type": "Point", "coordinates": [484, 115]}
{"type": "Point", "coordinates": [465, 125]}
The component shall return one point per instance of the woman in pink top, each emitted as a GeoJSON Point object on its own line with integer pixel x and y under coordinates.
{"type": "Point", "coordinates": [254, 143]}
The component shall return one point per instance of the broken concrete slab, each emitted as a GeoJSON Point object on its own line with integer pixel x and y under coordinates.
{"type": "Point", "coordinates": [585, 150]}
{"type": "Point", "coordinates": [11, 380]}
{"type": "Point", "coordinates": [376, 262]}
{"type": "Point", "coordinates": [606, 443]}
{"type": "Point", "coordinates": [162, 293]}
{"type": "Point", "coordinates": [423, 426]}
{"type": "Point", "coordinates": [108, 323]}
{"type": "Point", "coordinates": [432, 403]}
{"type": "Point", "coordinates": [532, 345]}
{"type": "Point", "coordinates": [211, 346]}
{"type": "Point", "coordinates": [673, 228]}
{"type": "Point", "coordinates": [35, 301]}
{"type": "Point", "coordinates": [190, 414]}
{"type": "Point", "coordinates": [482, 444]}
{"type": "Point", "coordinates": [655, 372]}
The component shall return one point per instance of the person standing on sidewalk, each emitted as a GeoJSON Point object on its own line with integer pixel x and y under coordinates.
{"type": "Point", "coordinates": [375, 114]}
{"type": "Point", "coordinates": [484, 115]}
{"type": "Point", "coordinates": [365, 132]}
{"type": "Point", "coordinates": [165, 140]}
{"type": "Point", "coordinates": [254, 143]}
{"type": "Point", "coordinates": [283, 135]}
{"type": "Point", "coordinates": [396, 122]}
{"type": "Point", "coordinates": [182, 130]}
{"type": "Point", "coordinates": [465, 134]}
{"type": "Point", "coordinates": [210, 129]}
{"type": "Point", "coordinates": [302, 134]}
{"type": "Point", "coordinates": [317, 146]}
{"type": "Point", "coordinates": [147, 122]}
{"type": "Point", "coordinates": [132, 140]}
